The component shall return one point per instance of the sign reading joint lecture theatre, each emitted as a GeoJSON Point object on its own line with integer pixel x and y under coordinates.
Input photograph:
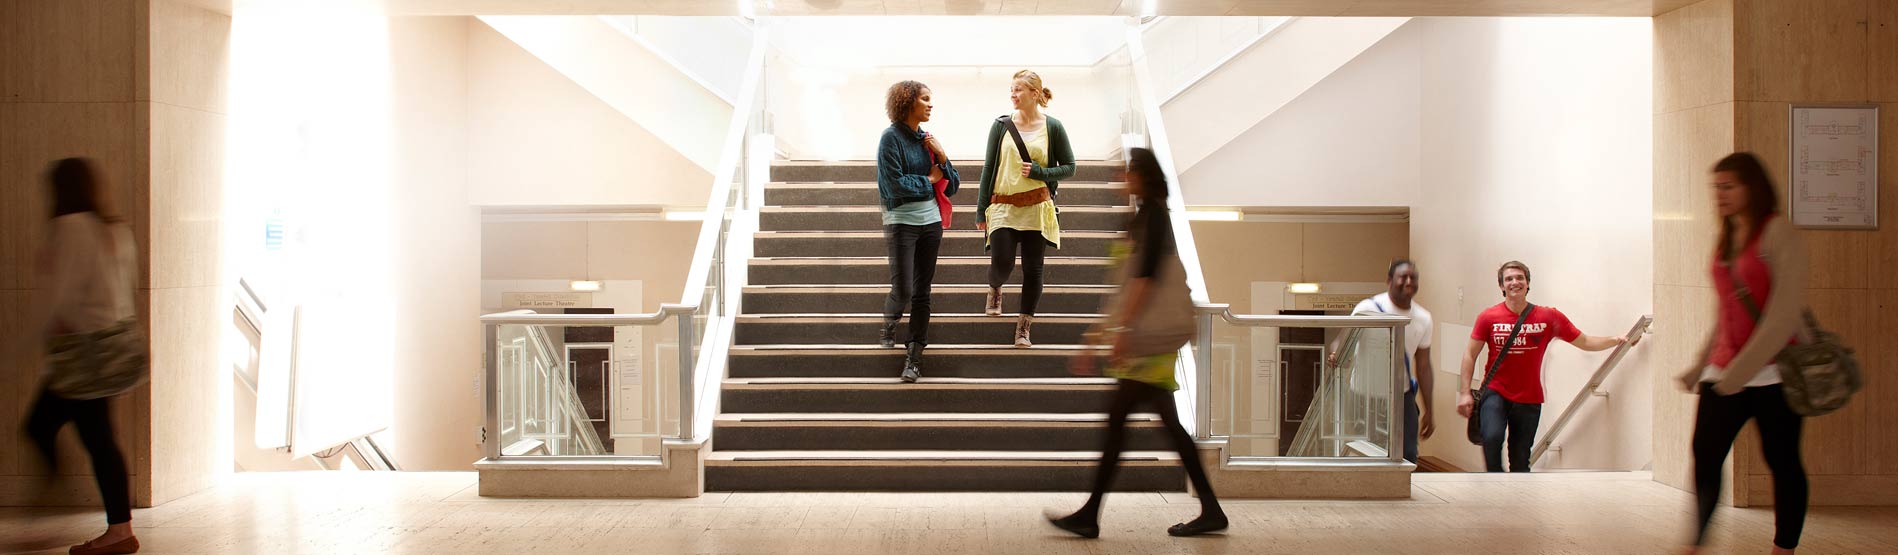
{"type": "Point", "coordinates": [546, 300]}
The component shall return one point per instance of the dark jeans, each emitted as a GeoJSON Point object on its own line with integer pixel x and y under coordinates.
{"type": "Point", "coordinates": [52, 412]}
{"type": "Point", "coordinates": [1410, 425]}
{"type": "Point", "coordinates": [1003, 243]}
{"type": "Point", "coordinates": [1519, 421]}
{"type": "Point", "coordinates": [1130, 395]}
{"type": "Point", "coordinates": [913, 251]}
{"type": "Point", "coordinates": [1717, 421]}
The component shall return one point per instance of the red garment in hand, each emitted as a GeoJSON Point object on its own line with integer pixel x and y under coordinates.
{"type": "Point", "coordinates": [942, 200]}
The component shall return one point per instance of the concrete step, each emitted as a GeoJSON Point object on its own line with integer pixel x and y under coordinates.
{"type": "Point", "coordinates": [947, 298]}
{"type": "Point", "coordinates": [866, 270]}
{"type": "Point", "coordinates": [1068, 193]}
{"type": "Point", "coordinates": [935, 471]}
{"type": "Point", "coordinates": [772, 244]}
{"type": "Point", "coordinates": [873, 361]}
{"type": "Point", "coordinates": [870, 218]}
{"type": "Point", "coordinates": [931, 394]}
{"type": "Point", "coordinates": [925, 431]}
{"type": "Point", "coordinates": [862, 329]}
{"type": "Point", "coordinates": [866, 171]}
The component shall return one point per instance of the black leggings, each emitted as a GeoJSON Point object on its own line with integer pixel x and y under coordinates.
{"type": "Point", "coordinates": [1717, 422]}
{"type": "Point", "coordinates": [1034, 250]}
{"type": "Point", "coordinates": [913, 250]}
{"type": "Point", "coordinates": [52, 412]}
{"type": "Point", "coordinates": [1131, 394]}
{"type": "Point", "coordinates": [1519, 420]}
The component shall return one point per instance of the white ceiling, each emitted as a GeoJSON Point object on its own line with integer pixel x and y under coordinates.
{"type": "Point", "coordinates": [1636, 8]}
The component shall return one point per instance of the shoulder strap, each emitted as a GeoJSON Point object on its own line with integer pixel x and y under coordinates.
{"type": "Point", "coordinates": [1742, 291]}
{"type": "Point", "coordinates": [1507, 345]}
{"type": "Point", "coordinates": [1021, 147]}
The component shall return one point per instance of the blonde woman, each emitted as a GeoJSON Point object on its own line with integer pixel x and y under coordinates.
{"type": "Point", "coordinates": [1028, 155]}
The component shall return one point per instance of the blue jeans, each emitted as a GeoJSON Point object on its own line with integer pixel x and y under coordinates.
{"type": "Point", "coordinates": [1410, 425]}
{"type": "Point", "coordinates": [1518, 421]}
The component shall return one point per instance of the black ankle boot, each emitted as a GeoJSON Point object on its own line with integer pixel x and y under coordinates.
{"type": "Point", "coordinates": [913, 363]}
{"type": "Point", "coordinates": [887, 335]}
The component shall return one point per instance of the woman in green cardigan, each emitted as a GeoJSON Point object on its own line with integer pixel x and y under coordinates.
{"type": "Point", "coordinates": [1016, 204]}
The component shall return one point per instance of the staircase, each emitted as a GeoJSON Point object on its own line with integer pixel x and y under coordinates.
{"type": "Point", "coordinates": [812, 403]}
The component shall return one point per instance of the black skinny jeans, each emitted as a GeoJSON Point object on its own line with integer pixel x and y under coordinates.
{"type": "Point", "coordinates": [1003, 244]}
{"type": "Point", "coordinates": [1130, 395]}
{"type": "Point", "coordinates": [52, 412]}
{"type": "Point", "coordinates": [1518, 420]}
{"type": "Point", "coordinates": [1717, 421]}
{"type": "Point", "coordinates": [913, 250]}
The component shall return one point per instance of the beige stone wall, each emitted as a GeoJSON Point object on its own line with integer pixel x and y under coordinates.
{"type": "Point", "coordinates": [1235, 254]}
{"type": "Point", "coordinates": [139, 87]}
{"type": "Point", "coordinates": [1726, 73]}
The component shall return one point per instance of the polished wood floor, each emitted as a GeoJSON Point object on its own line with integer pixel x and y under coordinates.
{"type": "Point", "coordinates": [362, 512]}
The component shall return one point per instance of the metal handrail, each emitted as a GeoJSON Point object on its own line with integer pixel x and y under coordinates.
{"type": "Point", "coordinates": [531, 318]}
{"type": "Point", "coordinates": [1208, 313]}
{"type": "Point", "coordinates": [1224, 312]}
{"type": "Point", "coordinates": [1594, 383]}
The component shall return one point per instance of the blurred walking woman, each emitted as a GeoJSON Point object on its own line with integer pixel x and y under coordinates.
{"type": "Point", "coordinates": [915, 180]}
{"type": "Point", "coordinates": [1148, 321]}
{"type": "Point", "coordinates": [1759, 271]}
{"type": "Point", "coordinates": [1028, 155]}
{"type": "Point", "coordinates": [93, 347]}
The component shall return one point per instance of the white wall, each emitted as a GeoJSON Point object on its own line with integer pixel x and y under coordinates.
{"type": "Point", "coordinates": [710, 49]}
{"type": "Point", "coordinates": [1537, 147]}
{"type": "Point", "coordinates": [1353, 139]}
{"type": "Point", "coordinates": [537, 138]}
{"type": "Point", "coordinates": [1182, 48]}
{"type": "Point", "coordinates": [1262, 79]}
{"type": "Point", "coordinates": [826, 91]}
{"type": "Point", "coordinates": [837, 114]}
{"type": "Point", "coordinates": [963, 41]}
{"type": "Point", "coordinates": [640, 85]}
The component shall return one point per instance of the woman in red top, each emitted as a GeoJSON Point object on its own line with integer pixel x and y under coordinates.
{"type": "Point", "coordinates": [1759, 271]}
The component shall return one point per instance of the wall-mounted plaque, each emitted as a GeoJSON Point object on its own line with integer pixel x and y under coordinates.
{"type": "Point", "coordinates": [1833, 166]}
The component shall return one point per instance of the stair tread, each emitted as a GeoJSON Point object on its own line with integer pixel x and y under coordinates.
{"type": "Point", "coordinates": [940, 261]}
{"type": "Point", "coordinates": [870, 316]}
{"type": "Point", "coordinates": [834, 234]}
{"type": "Point", "coordinates": [853, 185]}
{"type": "Point", "coordinates": [927, 418]}
{"type": "Point", "coordinates": [861, 287]}
{"type": "Point", "coordinates": [938, 349]}
{"type": "Point", "coordinates": [926, 382]}
{"type": "Point", "coordinates": [821, 209]}
{"type": "Point", "coordinates": [727, 458]}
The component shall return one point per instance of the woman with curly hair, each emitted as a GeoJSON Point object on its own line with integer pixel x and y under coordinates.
{"type": "Point", "coordinates": [912, 172]}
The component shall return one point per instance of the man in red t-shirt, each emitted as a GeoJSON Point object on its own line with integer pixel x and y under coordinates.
{"type": "Point", "coordinates": [1512, 409]}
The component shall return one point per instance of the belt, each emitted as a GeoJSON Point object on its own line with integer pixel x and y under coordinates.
{"type": "Point", "coordinates": [1030, 197]}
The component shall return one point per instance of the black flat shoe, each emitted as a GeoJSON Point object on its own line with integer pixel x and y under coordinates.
{"type": "Point", "coordinates": [1077, 526]}
{"type": "Point", "coordinates": [1201, 525]}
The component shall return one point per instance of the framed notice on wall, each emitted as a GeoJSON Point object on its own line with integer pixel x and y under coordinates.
{"type": "Point", "coordinates": [1833, 166]}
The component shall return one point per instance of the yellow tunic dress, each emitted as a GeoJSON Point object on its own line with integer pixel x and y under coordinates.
{"type": "Point", "coordinates": [1009, 180]}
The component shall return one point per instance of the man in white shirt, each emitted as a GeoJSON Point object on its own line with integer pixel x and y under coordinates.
{"type": "Point", "coordinates": [1399, 300]}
